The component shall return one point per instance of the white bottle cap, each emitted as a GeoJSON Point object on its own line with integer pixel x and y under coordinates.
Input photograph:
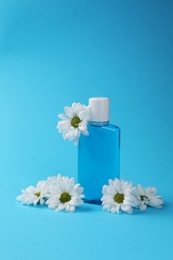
{"type": "Point", "coordinates": [99, 109]}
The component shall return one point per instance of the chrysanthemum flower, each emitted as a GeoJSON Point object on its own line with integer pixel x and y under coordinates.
{"type": "Point", "coordinates": [34, 195]}
{"type": "Point", "coordinates": [118, 196]}
{"type": "Point", "coordinates": [64, 194]}
{"type": "Point", "coordinates": [74, 122]}
{"type": "Point", "coordinates": [147, 197]}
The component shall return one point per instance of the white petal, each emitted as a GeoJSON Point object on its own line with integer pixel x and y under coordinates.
{"type": "Point", "coordinates": [140, 190]}
{"type": "Point", "coordinates": [64, 126]}
{"type": "Point", "coordinates": [142, 206]}
{"type": "Point", "coordinates": [69, 111]}
{"type": "Point", "coordinates": [42, 201]}
{"type": "Point", "coordinates": [78, 188]}
{"type": "Point", "coordinates": [63, 116]}
{"type": "Point", "coordinates": [75, 105]}
{"type": "Point", "coordinates": [150, 191]}
{"type": "Point", "coordinates": [76, 140]}
{"type": "Point", "coordinates": [70, 135]}
{"type": "Point", "coordinates": [85, 132]}
{"type": "Point", "coordinates": [60, 207]}
{"type": "Point", "coordinates": [155, 202]}
{"type": "Point", "coordinates": [83, 114]}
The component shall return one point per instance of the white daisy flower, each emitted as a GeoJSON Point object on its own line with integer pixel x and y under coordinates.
{"type": "Point", "coordinates": [118, 196]}
{"type": "Point", "coordinates": [64, 194]}
{"type": "Point", "coordinates": [74, 122]}
{"type": "Point", "coordinates": [147, 197]}
{"type": "Point", "coordinates": [34, 195]}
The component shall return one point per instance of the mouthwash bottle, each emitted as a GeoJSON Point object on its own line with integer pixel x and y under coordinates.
{"type": "Point", "coordinates": [98, 153]}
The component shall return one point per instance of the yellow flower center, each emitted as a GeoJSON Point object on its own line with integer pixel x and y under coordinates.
{"type": "Point", "coordinates": [75, 121]}
{"type": "Point", "coordinates": [143, 197]}
{"type": "Point", "coordinates": [119, 198]}
{"type": "Point", "coordinates": [65, 197]}
{"type": "Point", "coordinates": [37, 194]}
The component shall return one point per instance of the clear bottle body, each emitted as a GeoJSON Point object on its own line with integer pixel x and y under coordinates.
{"type": "Point", "coordinates": [98, 159]}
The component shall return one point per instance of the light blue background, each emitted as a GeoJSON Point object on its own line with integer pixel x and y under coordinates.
{"type": "Point", "coordinates": [53, 53]}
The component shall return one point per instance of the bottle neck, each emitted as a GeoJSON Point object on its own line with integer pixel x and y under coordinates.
{"type": "Point", "coordinates": [98, 123]}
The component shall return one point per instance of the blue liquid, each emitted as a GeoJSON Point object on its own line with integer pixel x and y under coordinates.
{"type": "Point", "coordinates": [98, 160]}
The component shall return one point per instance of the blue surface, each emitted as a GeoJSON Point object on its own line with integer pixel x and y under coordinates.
{"type": "Point", "coordinates": [57, 52]}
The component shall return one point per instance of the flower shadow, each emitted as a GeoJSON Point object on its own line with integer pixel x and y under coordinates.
{"type": "Point", "coordinates": [38, 206]}
{"type": "Point", "coordinates": [86, 208]}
